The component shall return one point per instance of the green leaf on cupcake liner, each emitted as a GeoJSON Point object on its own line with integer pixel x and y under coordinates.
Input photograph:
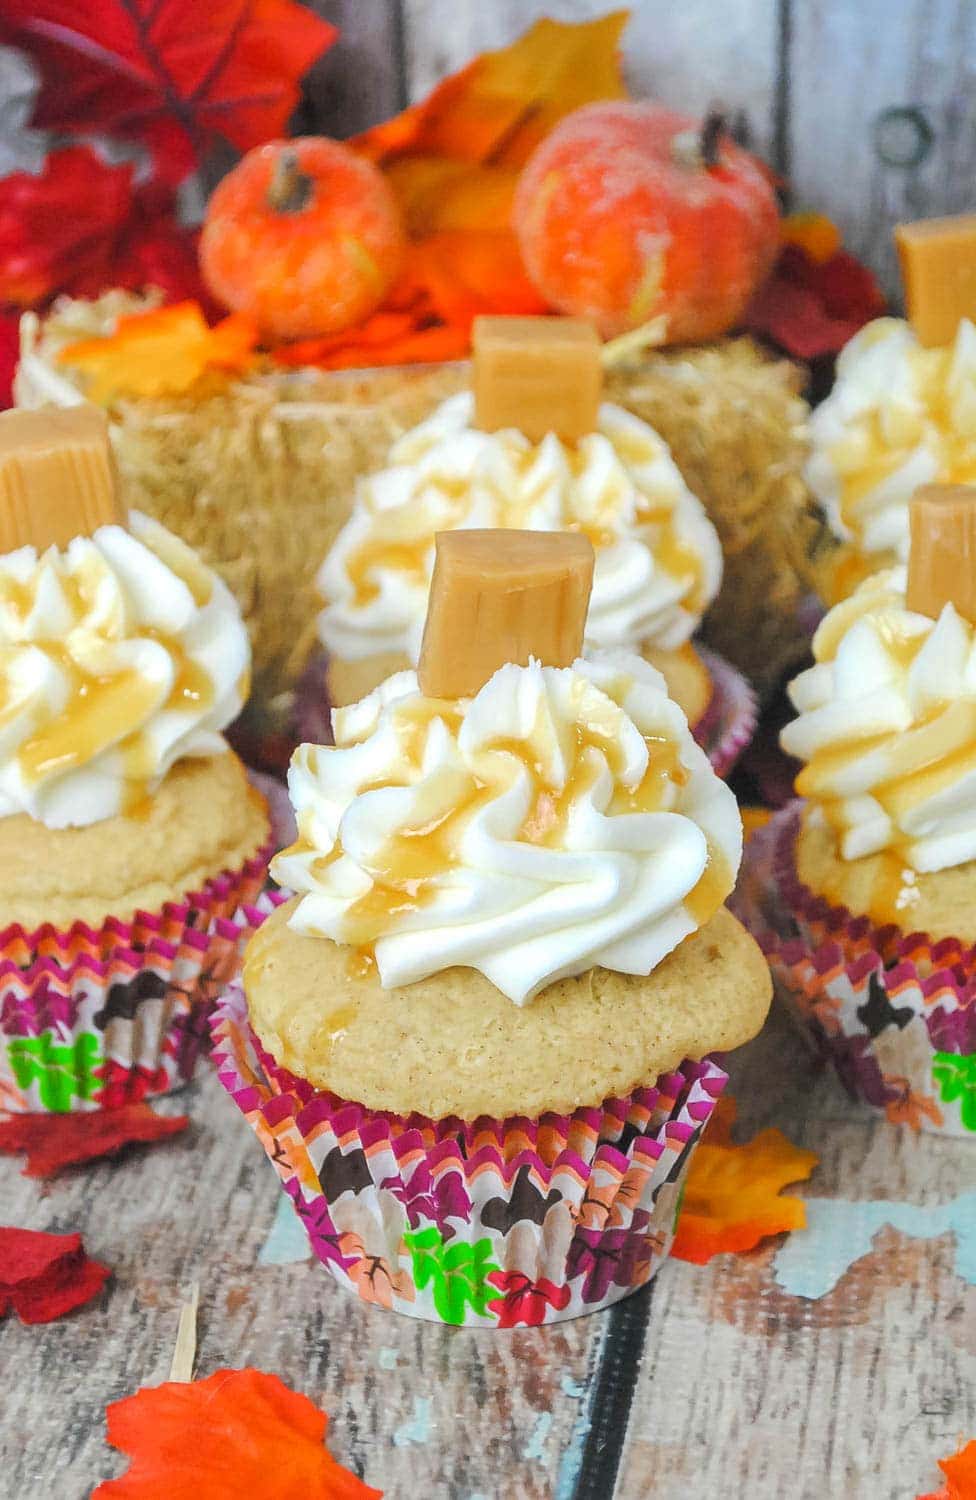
{"type": "Point", "coordinates": [62, 1071]}
{"type": "Point", "coordinates": [955, 1075]}
{"type": "Point", "coordinates": [458, 1273]}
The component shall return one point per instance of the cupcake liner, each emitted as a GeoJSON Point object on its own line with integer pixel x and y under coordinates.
{"type": "Point", "coordinates": [491, 1223]}
{"type": "Point", "coordinates": [895, 1013]}
{"type": "Point", "coordinates": [93, 1018]}
{"type": "Point", "coordinates": [729, 722]}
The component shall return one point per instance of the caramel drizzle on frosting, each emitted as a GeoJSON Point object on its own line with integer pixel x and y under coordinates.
{"type": "Point", "coordinates": [399, 548]}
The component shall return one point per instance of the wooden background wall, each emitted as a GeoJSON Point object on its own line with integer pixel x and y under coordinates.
{"type": "Point", "coordinates": [868, 106]}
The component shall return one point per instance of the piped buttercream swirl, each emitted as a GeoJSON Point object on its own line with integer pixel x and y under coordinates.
{"type": "Point", "coordinates": [562, 818]}
{"type": "Point", "coordinates": [658, 557]}
{"type": "Point", "coordinates": [887, 727]}
{"type": "Point", "coordinates": [119, 656]}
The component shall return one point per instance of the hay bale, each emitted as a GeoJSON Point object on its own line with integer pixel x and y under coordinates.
{"type": "Point", "coordinates": [259, 474]}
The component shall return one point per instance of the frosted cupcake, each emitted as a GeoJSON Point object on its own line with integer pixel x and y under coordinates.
{"type": "Point", "coordinates": [128, 830]}
{"type": "Point", "coordinates": [870, 881]}
{"type": "Point", "coordinates": [478, 1033]}
{"type": "Point", "coordinates": [502, 456]}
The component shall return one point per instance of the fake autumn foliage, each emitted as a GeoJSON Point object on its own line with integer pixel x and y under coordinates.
{"type": "Point", "coordinates": [960, 1474]}
{"type": "Point", "coordinates": [44, 1276]}
{"type": "Point", "coordinates": [172, 74]}
{"type": "Point", "coordinates": [237, 1434]}
{"type": "Point", "coordinates": [734, 1193]}
{"type": "Point", "coordinates": [52, 1142]}
{"type": "Point", "coordinates": [166, 350]}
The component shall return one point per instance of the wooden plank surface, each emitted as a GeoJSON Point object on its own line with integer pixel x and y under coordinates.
{"type": "Point", "coordinates": [882, 115]}
{"type": "Point", "coordinates": [715, 1378]}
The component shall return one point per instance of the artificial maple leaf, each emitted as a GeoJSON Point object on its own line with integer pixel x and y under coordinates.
{"type": "Point", "coordinates": [62, 227]}
{"type": "Point", "coordinates": [237, 1433]}
{"type": "Point", "coordinates": [9, 357]}
{"type": "Point", "coordinates": [960, 1473]}
{"type": "Point", "coordinates": [169, 72]}
{"type": "Point", "coordinates": [733, 1194]}
{"type": "Point", "coordinates": [44, 1276]}
{"type": "Point", "coordinates": [812, 308]}
{"type": "Point", "coordinates": [53, 1142]}
{"type": "Point", "coordinates": [161, 352]}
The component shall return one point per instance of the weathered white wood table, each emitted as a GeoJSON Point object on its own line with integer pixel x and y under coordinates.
{"type": "Point", "coordinates": [715, 1380]}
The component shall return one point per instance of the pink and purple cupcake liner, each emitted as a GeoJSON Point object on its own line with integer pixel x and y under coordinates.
{"type": "Point", "coordinates": [893, 1011]}
{"type": "Point", "coordinates": [94, 1018]}
{"type": "Point", "coordinates": [723, 731]}
{"type": "Point", "coordinates": [489, 1224]}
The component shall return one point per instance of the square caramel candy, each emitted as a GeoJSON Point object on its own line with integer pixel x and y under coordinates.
{"type": "Point", "coordinates": [942, 552]}
{"type": "Point", "coordinates": [938, 270]}
{"type": "Point", "coordinates": [57, 477]}
{"type": "Point", "coordinates": [538, 375]}
{"type": "Point", "coordinates": [503, 596]}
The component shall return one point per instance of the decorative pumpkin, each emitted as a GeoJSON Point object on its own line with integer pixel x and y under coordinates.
{"type": "Point", "coordinates": [627, 211]}
{"type": "Point", "coordinates": [304, 236]}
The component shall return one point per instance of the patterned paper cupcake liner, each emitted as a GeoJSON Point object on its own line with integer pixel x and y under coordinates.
{"type": "Point", "coordinates": [894, 1013]}
{"type": "Point", "coordinates": [93, 1018]}
{"type": "Point", "coordinates": [723, 731]}
{"type": "Point", "coordinates": [489, 1224]}
{"type": "Point", "coordinates": [729, 722]}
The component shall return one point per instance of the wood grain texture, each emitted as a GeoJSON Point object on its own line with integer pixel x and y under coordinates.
{"type": "Point", "coordinates": [360, 80]}
{"type": "Point", "coordinates": [682, 54]}
{"type": "Point", "coordinates": [739, 1390]}
{"type": "Point", "coordinates": [848, 65]}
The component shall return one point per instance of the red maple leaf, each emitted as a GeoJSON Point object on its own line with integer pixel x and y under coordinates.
{"type": "Point", "coordinates": [52, 1141]}
{"type": "Point", "coordinates": [172, 73]}
{"type": "Point", "coordinates": [239, 1433]}
{"type": "Point", "coordinates": [44, 1276]}
{"type": "Point", "coordinates": [62, 226]}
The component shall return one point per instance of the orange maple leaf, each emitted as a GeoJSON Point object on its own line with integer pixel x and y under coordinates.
{"type": "Point", "coordinates": [733, 1194]}
{"type": "Point", "coordinates": [960, 1473]}
{"type": "Point", "coordinates": [236, 1434]}
{"type": "Point", "coordinates": [163, 352]}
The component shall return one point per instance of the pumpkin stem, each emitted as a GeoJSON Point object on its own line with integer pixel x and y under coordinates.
{"type": "Point", "coordinates": [698, 149]}
{"type": "Point", "coordinates": [290, 188]}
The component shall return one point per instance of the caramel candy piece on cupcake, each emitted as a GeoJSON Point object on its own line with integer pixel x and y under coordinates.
{"type": "Point", "coordinates": [503, 596]}
{"type": "Point", "coordinates": [942, 558]}
{"type": "Point", "coordinates": [538, 375]}
{"type": "Point", "coordinates": [938, 269]}
{"type": "Point", "coordinates": [57, 477]}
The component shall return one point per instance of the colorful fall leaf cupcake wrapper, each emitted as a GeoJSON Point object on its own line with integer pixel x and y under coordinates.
{"type": "Point", "coordinates": [490, 1223]}
{"type": "Point", "coordinates": [93, 1018]}
{"type": "Point", "coordinates": [894, 1012]}
{"type": "Point", "coordinates": [723, 731]}
{"type": "Point", "coordinates": [729, 722]}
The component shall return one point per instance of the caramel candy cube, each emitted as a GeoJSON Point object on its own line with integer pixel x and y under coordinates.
{"type": "Point", "coordinates": [57, 477]}
{"type": "Point", "coordinates": [503, 596]}
{"type": "Point", "coordinates": [537, 374]}
{"type": "Point", "coordinates": [942, 558]}
{"type": "Point", "coordinates": [938, 269]}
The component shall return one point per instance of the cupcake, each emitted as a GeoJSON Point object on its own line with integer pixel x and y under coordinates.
{"type": "Point", "coordinates": [129, 834]}
{"type": "Point", "coordinates": [865, 890]}
{"type": "Point", "coordinates": [902, 412]}
{"type": "Point", "coordinates": [475, 1041]}
{"type": "Point", "coordinates": [487, 458]}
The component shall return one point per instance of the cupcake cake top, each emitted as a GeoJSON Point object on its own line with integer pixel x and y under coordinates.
{"type": "Point", "coordinates": [499, 456]}
{"type": "Point", "coordinates": [558, 818]}
{"type": "Point", "coordinates": [901, 414]}
{"type": "Point", "coordinates": [120, 652]}
{"type": "Point", "coordinates": [887, 715]}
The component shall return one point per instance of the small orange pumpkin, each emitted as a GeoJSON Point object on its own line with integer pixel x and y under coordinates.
{"type": "Point", "coordinates": [628, 210]}
{"type": "Point", "coordinates": [304, 236]}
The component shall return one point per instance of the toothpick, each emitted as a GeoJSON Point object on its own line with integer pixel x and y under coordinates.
{"type": "Point", "coordinates": [635, 343]}
{"type": "Point", "coordinates": [185, 1351]}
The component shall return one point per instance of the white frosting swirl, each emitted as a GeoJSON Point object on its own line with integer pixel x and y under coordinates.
{"type": "Point", "coordinates": [899, 416]}
{"type": "Point", "coordinates": [887, 726]}
{"type": "Point", "coordinates": [658, 559]}
{"type": "Point", "coordinates": [560, 819]}
{"type": "Point", "coordinates": [119, 656]}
